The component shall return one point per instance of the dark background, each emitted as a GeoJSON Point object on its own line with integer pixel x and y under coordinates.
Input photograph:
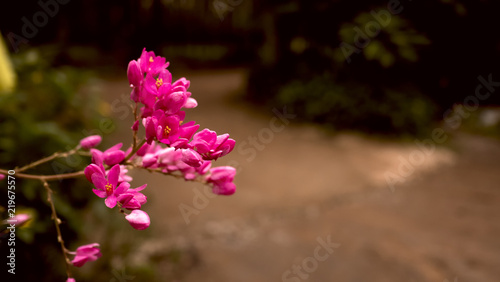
{"type": "Point", "coordinates": [400, 85]}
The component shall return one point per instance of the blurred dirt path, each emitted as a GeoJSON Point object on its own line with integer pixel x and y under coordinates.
{"type": "Point", "coordinates": [298, 187]}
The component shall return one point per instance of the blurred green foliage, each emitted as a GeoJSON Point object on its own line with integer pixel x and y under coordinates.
{"type": "Point", "coordinates": [369, 86]}
{"type": "Point", "coordinates": [357, 107]}
{"type": "Point", "coordinates": [396, 40]}
{"type": "Point", "coordinates": [46, 113]}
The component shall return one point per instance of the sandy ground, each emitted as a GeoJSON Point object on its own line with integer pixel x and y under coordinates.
{"type": "Point", "coordinates": [314, 207]}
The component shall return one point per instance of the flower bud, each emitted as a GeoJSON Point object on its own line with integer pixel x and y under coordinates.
{"type": "Point", "coordinates": [138, 219]}
{"type": "Point", "coordinates": [90, 142]}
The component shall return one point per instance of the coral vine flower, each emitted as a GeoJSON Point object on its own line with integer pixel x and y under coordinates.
{"type": "Point", "coordinates": [90, 141]}
{"type": "Point", "coordinates": [138, 219]}
{"type": "Point", "coordinates": [108, 187]}
{"type": "Point", "coordinates": [86, 253]}
{"type": "Point", "coordinates": [211, 146]}
{"type": "Point", "coordinates": [150, 63]}
{"type": "Point", "coordinates": [222, 179]}
{"type": "Point", "coordinates": [132, 199]}
{"type": "Point", "coordinates": [134, 74]}
{"type": "Point", "coordinates": [110, 157]}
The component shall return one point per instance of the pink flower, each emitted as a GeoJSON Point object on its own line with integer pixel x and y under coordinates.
{"type": "Point", "coordinates": [223, 146]}
{"type": "Point", "coordinates": [110, 157]}
{"type": "Point", "coordinates": [173, 100]}
{"type": "Point", "coordinates": [204, 140]}
{"type": "Point", "coordinates": [159, 85]}
{"type": "Point", "coordinates": [132, 199]}
{"type": "Point", "coordinates": [84, 254]}
{"type": "Point", "coordinates": [191, 157]}
{"type": "Point", "coordinates": [222, 179]}
{"type": "Point", "coordinates": [18, 220]}
{"type": "Point", "coordinates": [150, 63]}
{"type": "Point", "coordinates": [93, 168]}
{"type": "Point", "coordinates": [211, 146]}
{"type": "Point", "coordinates": [2, 176]}
{"type": "Point", "coordinates": [109, 188]}
{"type": "Point", "coordinates": [124, 177]}
{"type": "Point", "coordinates": [70, 279]}
{"type": "Point", "coordinates": [90, 141]}
{"type": "Point", "coordinates": [138, 219]}
{"type": "Point", "coordinates": [134, 73]}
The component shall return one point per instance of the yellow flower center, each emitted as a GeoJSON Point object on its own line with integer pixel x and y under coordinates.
{"type": "Point", "coordinates": [159, 82]}
{"type": "Point", "coordinates": [167, 130]}
{"type": "Point", "coordinates": [151, 59]}
{"type": "Point", "coordinates": [109, 189]}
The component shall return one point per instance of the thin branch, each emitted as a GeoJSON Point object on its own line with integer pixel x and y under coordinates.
{"type": "Point", "coordinates": [57, 222]}
{"type": "Point", "coordinates": [49, 158]}
{"type": "Point", "coordinates": [135, 131]}
{"type": "Point", "coordinates": [134, 150]}
{"type": "Point", "coordinates": [159, 170]}
{"type": "Point", "coordinates": [46, 177]}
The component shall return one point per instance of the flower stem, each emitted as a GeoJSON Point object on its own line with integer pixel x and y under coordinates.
{"type": "Point", "coordinates": [57, 222]}
{"type": "Point", "coordinates": [135, 131]}
{"type": "Point", "coordinates": [134, 150]}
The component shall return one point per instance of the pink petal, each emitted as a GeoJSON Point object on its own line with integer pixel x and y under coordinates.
{"type": "Point", "coordinates": [191, 157]}
{"type": "Point", "coordinates": [90, 170]}
{"type": "Point", "coordinates": [227, 189]}
{"type": "Point", "coordinates": [134, 73]}
{"type": "Point", "coordinates": [138, 219]}
{"type": "Point", "coordinates": [114, 157]}
{"type": "Point", "coordinates": [100, 193]}
{"type": "Point", "coordinates": [190, 103]}
{"type": "Point", "coordinates": [110, 201]}
{"type": "Point", "coordinates": [90, 141]}
{"type": "Point", "coordinates": [122, 188]}
{"type": "Point", "coordinates": [99, 181]}
{"type": "Point", "coordinates": [113, 175]}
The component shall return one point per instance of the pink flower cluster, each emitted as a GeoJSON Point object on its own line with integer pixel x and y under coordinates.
{"type": "Point", "coordinates": [162, 100]}
{"type": "Point", "coordinates": [113, 184]}
{"type": "Point", "coordinates": [161, 112]}
{"type": "Point", "coordinates": [170, 146]}
{"type": "Point", "coordinates": [85, 254]}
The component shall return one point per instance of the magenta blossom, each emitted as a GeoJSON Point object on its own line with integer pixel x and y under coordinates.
{"type": "Point", "coordinates": [134, 74]}
{"type": "Point", "coordinates": [191, 157]}
{"type": "Point", "coordinates": [18, 219]}
{"type": "Point", "coordinates": [86, 253]}
{"type": "Point", "coordinates": [150, 63]}
{"type": "Point", "coordinates": [222, 179]}
{"type": "Point", "coordinates": [138, 219]}
{"type": "Point", "coordinates": [110, 157]}
{"type": "Point", "coordinates": [90, 141]}
{"type": "Point", "coordinates": [211, 146]}
{"type": "Point", "coordinates": [133, 199]}
{"type": "Point", "coordinates": [107, 187]}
